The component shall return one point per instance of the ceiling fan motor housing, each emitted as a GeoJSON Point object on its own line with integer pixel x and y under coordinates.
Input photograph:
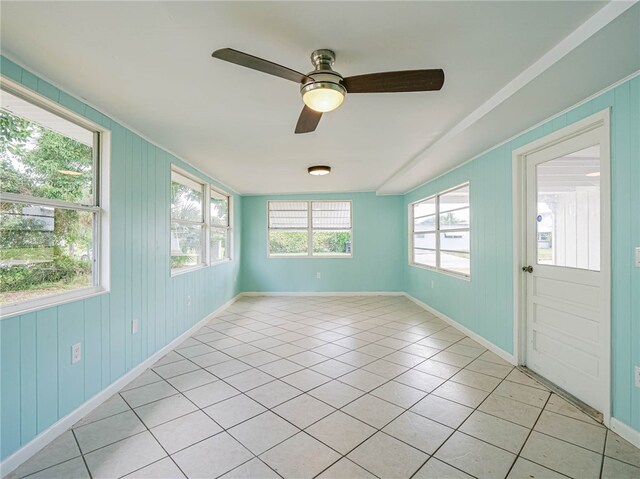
{"type": "Point", "coordinates": [323, 77]}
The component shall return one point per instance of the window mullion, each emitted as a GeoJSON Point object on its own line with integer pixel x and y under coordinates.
{"type": "Point", "coordinates": [438, 231]}
{"type": "Point", "coordinates": [309, 229]}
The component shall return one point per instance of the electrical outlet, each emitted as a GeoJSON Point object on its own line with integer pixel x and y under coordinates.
{"type": "Point", "coordinates": [638, 257]}
{"type": "Point", "coordinates": [134, 326]}
{"type": "Point", "coordinates": [189, 300]}
{"type": "Point", "coordinates": [637, 371]}
{"type": "Point", "coordinates": [318, 275]}
{"type": "Point", "coordinates": [76, 353]}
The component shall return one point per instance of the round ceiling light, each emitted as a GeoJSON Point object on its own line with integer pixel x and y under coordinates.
{"type": "Point", "coordinates": [323, 96]}
{"type": "Point", "coordinates": [319, 170]}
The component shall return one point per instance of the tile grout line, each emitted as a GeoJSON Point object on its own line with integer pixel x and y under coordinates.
{"type": "Point", "coordinates": [81, 454]}
{"type": "Point", "coordinates": [306, 322]}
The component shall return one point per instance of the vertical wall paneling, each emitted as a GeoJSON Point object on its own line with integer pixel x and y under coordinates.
{"type": "Point", "coordinates": [489, 301]}
{"type": "Point", "coordinates": [92, 346]}
{"type": "Point", "coordinates": [38, 383]}
{"type": "Point", "coordinates": [621, 237]}
{"type": "Point", "coordinates": [151, 249]}
{"type": "Point", "coordinates": [128, 252]}
{"type": "Point", "coordinates": [10, 415]}
{"type": "Point", "coordinates": [70, 376]}
{"type": "Point", "coordinates": [47, 367]}
{"type": "Point", "coordinates": [105, 315]}
{"type": "Point", "coordinates": [28, 379]}
{"type": "Point", "coordinates": [118, 257]}
{"type": "Point", "coordinates": [136, 247]}
{"type": "Point", "coordinates": [633, 216]}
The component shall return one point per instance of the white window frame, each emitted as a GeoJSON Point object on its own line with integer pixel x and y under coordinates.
{"type": "Point", "coordinates": [179, 175]}
{"type": "Point", "coordinates": [437, 232]}
{"type": "Point", "coordinates": [208, 191]}
{"type": "Point", "coordinates": [213, 191]}
{"type": "Point", "coordinates": [99, 206]}
{"type": "Point", "coordinates": [310, 229]}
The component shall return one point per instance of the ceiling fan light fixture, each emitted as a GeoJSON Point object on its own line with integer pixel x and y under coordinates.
{"type": "Point", "coordinates": [323, 96]}
{"type": "Point", "coordinates": [319, 170]}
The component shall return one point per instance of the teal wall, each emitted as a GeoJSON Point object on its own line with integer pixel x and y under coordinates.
{"type": "Point", "coordinates": [485, 304]}
{"type": "Point", "coordinates": [377, 259]}
{"type": "Point", "coordinates": [38, 384]}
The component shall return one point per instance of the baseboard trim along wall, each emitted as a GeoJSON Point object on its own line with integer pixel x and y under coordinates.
{"type": "Point", "coordinates": [62, 425]}
{"type": "Point", "coordinates": [323, 293]}
{"type": "Point", "coordinates": [510, 358]}
{"type": "Point", "coordinates": [625, 432]}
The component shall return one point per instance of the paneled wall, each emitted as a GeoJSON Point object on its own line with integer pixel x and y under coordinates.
{"type": "Point", "coordinates": [485, 304]}
{"type": "Point", "coordinates": [38, 384]}
{"type": "Point", "coordinates": [376, 264]}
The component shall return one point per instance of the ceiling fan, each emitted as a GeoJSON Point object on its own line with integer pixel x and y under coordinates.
{"type": "Point", "coordinates": [324, 89]}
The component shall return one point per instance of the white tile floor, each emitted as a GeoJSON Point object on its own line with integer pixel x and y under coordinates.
{"type": "Point", "coordinates": [334, 387]}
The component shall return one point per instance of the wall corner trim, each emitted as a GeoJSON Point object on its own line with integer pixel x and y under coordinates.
{"type": "Point", "coordinates": [625, 431]}
{"type": "Point", "coordinates": [52, 432]}
{"type": "Point", "coordinates": [510, 358]}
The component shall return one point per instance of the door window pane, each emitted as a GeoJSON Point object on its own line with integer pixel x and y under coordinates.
{"type": "Point", "coordinates": [568, 210]}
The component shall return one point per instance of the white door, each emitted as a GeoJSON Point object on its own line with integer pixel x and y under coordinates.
{"type": "Point", "coordinates": [567, 265]}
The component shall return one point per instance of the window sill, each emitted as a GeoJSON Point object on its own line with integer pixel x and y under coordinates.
{"type": "Point", "coordinates": [442, 271]}
{"type": "Point", "coordinates": [271, 256]}
{"type": "Point", "coordinates": [220, 262]}
{"type": "Point", "coordinates": [188, 269]}
{"type": "Point", "coordinates": [16, 309]}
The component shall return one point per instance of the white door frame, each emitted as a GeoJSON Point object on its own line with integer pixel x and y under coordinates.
{"type": "Point", "coordinates": [519, 182]}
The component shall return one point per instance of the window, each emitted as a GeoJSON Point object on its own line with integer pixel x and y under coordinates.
{"type": "Point", "coordinates": [52, 226]}
{"type": "Point", "coordinates": [220, 226]}
{"type": "Point", "coordinates": [441, 231]}
{"type": "Point", "coordinates": [200, 223]}
{"type": "Point", "coordinates": [310, 229]}
{"type": "Point", "coordinates": [188, 226]}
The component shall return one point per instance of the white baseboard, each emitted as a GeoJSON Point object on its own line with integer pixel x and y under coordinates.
{"type": "Point", "coordinates": [62, 425]}
{"type": "Point", "coordinates": [625, 432]}
{"type": "Point", "coordinates": [510, 358]}
{"type": "Point", "coordinates": [323, 293]}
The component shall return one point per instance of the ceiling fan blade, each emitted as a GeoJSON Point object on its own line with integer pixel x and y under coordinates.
{"type": "Point", "coordinates": [308, 120]}
{"type": "Point", "coordinates": [255, 63]}
{"type": "Point", "coordinates": [392, 82]}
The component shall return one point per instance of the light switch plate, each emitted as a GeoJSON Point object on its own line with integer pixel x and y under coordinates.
{"type": "Point", "coordinates": [637, 256]}
{"type": "Point", "coordinates": [134, 327]}
{"type": "Point", "coordinates": [637, 375]}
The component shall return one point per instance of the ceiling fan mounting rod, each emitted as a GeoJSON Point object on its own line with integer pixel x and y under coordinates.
{"type": "Point", "coordinates": [323, 59]}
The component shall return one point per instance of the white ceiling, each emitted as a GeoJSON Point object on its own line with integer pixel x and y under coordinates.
{"type": "Point", "coordinates": [148, 64]}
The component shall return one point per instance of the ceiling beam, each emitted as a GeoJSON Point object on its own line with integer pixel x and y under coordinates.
{"type": "Point", "coordinates": [597, 22]}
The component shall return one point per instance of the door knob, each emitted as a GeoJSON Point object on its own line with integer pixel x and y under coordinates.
{"type": "Point", "coordinates": [528, 269]}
